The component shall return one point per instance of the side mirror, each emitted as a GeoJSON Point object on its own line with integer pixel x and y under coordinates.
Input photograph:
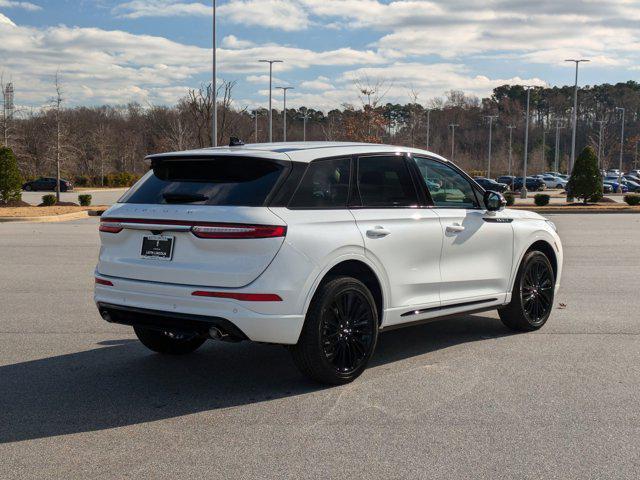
{"type": "Point", "coordinates": [494, 201]}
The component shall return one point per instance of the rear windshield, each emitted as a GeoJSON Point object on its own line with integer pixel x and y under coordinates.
{"type": "Point", "coordinates": [229, 181]}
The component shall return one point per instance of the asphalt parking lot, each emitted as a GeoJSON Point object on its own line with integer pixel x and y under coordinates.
{"type": "Point", "coordinates": [459, 398]}
{"type": "Point", "coordinates": [107, 196]}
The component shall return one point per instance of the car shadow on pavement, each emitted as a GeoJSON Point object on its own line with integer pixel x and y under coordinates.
{"type": "Point", "coordinates": [121, 383]}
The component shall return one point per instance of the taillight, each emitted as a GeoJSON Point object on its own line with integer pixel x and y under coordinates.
{"type": "Point", "coordinates": [102, 281]}
{"type": "Point", "coordinates": [244, 297]}
{"type": "Point", "coordinates": [238, 231]}
{"type": "Point", "coordinates": [113, 228]}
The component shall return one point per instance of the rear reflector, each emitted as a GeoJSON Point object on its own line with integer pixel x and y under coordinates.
{"type": "Point", "coordinates": [102, 281]}
{"type": "Point", "coordinates": [115, 228]}
{"type": "Point", "coordinates": [238, 231]}
{"type": "Point", "coordinates": [244, 297]}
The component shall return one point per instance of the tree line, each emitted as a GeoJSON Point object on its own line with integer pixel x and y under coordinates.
{"type": "Point", "coordinates": [111, 141]}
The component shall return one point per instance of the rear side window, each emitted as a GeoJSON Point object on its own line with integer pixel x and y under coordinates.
{"type": "Point", "coordinates": [325, 185]}
{"type": "Point", "coordinates": [229, 181]}
{"type": "Point", "coordinates": [385, 182]}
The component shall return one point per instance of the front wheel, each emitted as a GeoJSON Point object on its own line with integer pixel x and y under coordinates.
{"type": "Point", "coordinates": [167, 342]}
{"type": "Point", "coordinates": [532, 296]}
{"type": "Point", "coordinates": [339, 334]}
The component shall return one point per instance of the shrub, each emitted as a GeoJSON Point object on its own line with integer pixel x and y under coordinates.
{"type": "Point", "coordinates": [541, 199]}
{"type": "Point", "coordinates": [85, 200]}
{"type": "Point", "coordinates": [510, 198]}
{"type": "Point", "coordinates": [10, 178]}
{"type": "Point", "coordinates": [585, 181]}
{"type": "Point", "coordinates": [122, 179]}
{"type": "Point", "coordinates": [596, 197]}
{"type": "Point", "coordinates": [49, 200]}
{"type": "Point", "coordinates": [632, 199]}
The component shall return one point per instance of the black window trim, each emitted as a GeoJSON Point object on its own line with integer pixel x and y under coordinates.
{"type": "Point", "coordinates": [304, 173]}
{"type": "Point", "coordinates": [355, 200]}
{"type": "Point", "coordinates": [477, 189]}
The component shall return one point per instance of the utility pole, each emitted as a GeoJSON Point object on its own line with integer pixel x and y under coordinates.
{"type": "Point", "coordinates": [600, 132]}
{"type": "Point", "coordinates": [255, 116]}
{"type": "Point", "coordinates": [544, 147]}
{"type": "Point", "coordinates": [305, 117]}
{"type": "Point", "coordinates": [58, 101]}
{"type": "Point", "coordinates": [491, 118]}
{"type": "Point", "coordinates": [428, 126]}
{"type": "Point", "coordinates": [510, 127]}
{"type": "Point", "coordinates": [574, 117]}
{"type": "Point", "coordinates": [556, 161]}
{"type": "Point", "coordinates": [523, 190]}
{"type": "Point", "coordinates": [621, 109]}
{"type": "Point", "coordinates": [284, 112]}
{"type": "Point", "coordinates": [453, 138]}
{"type": "Point", "coordinates": [7, 107]}
{"type": "Point", "coordinates": [270, 62]}
{"type": "Point", "coordinates": [635, 159]}
{"type": "Point", "coordinates": [214, 90]}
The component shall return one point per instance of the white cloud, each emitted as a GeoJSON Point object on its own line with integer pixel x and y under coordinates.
{"type": "Point", "coordinates": [31, 7]}
{"type": "Point", "coordinates": [320, 83]}
{"type": "Point", "coordinates": [279, 14]}
{"type": "Point", "coordinates": [231, 41]}
{"type": "Point", "coordinates": [160, 8]}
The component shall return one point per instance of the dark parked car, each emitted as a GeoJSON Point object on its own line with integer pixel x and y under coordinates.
{"type": "Point", "coordinates": [489, 184]}
{"type": "Point", "coordinates": [506, 179]}
{"type": "Point", "coordinates": [48, 184]}
{"type": "Point", "coordinates": [533, 184]}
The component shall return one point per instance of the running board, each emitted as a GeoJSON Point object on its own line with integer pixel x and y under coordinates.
{"type": "Point", "coordinates": [447, 307]}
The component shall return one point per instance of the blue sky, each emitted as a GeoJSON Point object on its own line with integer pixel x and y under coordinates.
{"type": "Point", "coordinates": [152, 51]}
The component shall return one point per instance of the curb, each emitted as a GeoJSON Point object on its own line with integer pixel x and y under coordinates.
{"type": "Point", "coordinates": [567, 211]}
{"type": "Point", "coordinates": [48, 218]}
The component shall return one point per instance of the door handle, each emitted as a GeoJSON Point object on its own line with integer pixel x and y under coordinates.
{"type": "Point", "coordinates": [455, 228]}
{"type": "Point", "coordinates": [377, 232]}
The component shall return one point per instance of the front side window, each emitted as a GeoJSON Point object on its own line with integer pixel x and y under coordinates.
{"type": "Point", "coordinates": [385, 182]}
{"type": "Point", "coordinates": [325, 185]}
{"type": "Point", "coordinates": [448, 188]}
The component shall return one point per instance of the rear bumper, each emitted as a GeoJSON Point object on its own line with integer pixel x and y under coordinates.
{"type": "Point", "coordinates": [171, 306]}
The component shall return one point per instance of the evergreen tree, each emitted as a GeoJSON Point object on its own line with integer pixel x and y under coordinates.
{"type": "Point", "coordinates": [10, 178]}
{"type": "Point", "coordinates": [586, 180]}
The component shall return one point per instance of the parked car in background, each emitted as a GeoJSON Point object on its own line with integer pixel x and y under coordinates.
{"type": "Point", "coordinates": [613, 172]}
{"type": "Point", "coordinates": [631, 178]}
{"type": "Point", "coordinates": [630, 184]}
{"type": "Point", "coordinates": [506, 179]}
{"type": "Point", "coordinates": [606, 188]}
{"type": "Point", "coordinates": [614, 185]}
{"type": "Point", "coordinates": [533, 184]}
{"type": "Point", "coordinates": [489, 184]}
{"type": "Point", "coordinates": [635, 173]}
{"type": "Point", "coordinates": [551, 181]}
{"type": "Point", "coordinates": [318, 246]}
{"type": "Point", "coordinates": [47, 184]}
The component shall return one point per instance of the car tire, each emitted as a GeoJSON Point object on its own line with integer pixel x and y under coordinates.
{"type": "Point", "coordinates": [169, 343]}
{"type": "Point", "coordinates": [532, 295]}
{"type": "Point", "coordinates": [340, 332]}
{"type": "Point", "coordinates": [27, 188]}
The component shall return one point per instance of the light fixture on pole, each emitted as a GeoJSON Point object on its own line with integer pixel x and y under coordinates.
{"type": "Point", "coordinates": [453, 138]}
{"type": "Point", "coordinates": [523, 189]}
{"type": "Point", "coordinates": [621, 109]}
{"type": "Point", "coordinates": [284, 112]}
{"type": "Point", "coordinates": [600, 132]}
{"type": "Point", "coordinates": [214, 90]}
{"type": "Point", "coordinates": [491, 118]}
{"type": "Point", "coordinates": [574, 116]}
{"type": "Point", "coordinates": [270, 62]}
{"type": "Point", "coordinates": [304, 117]}
{"type": "Point", "coordinates": [510, 127]}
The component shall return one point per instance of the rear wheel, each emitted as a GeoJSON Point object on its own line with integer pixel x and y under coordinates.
{"type": "Point", "coordinates": [339, 334]}
{"type": "Point", "coordinates": [171, 343]}
{"type": "Point", "coordinates": [28, 188]}
{"type": "Point", "coordinates": [532, 296]}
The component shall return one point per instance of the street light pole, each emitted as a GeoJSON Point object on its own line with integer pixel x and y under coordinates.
{"type": "Point", "coordinates": [510, 127]}
{"type": "Point", "coordinates": [523, 189]}
{"type": "Point", "coordinates": [453, 137]}
{"type": "Point", "coordinates": [428, 127]}
{"type": "Point", "coordinates": [255, 115]}
{"type": "Point", "coordinates": [621, 109]}
{"type": "Point", "coordinates": [214, 90]}
{"type": "Point", "coordinates": [491, 118]}
{"type": "Point", "coordinates": [556, 161]}
{"type": "Point", "coordinates": [305, 117]}
{"type": "Point", "coordinates": [284, 112]}
{"type": "Point", "coordinates": [574, 117]}
{"type": "Point", "coordinates": [270, 62]}
{"type": "Point", "coordinates": [600, 131]}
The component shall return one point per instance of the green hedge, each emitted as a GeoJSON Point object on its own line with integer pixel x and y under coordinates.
{"type": "Point", "coordinates": [49, 200]}
{"type": "Point", "coordinates": [510, 198]}
{"type": "Point", "coordinates": [541, 199]}
{"type": "Point", "coordinates": [632, 199]}
{"type": "Point", "coordinates": [85, 200]}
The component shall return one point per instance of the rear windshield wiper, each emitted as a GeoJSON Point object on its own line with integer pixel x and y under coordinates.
{"type": "Point", "coordinates": [184, 197]}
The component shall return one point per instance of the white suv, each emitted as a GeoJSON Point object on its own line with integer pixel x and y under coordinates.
{"type": "Point", "coordinates": [318, 246]}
